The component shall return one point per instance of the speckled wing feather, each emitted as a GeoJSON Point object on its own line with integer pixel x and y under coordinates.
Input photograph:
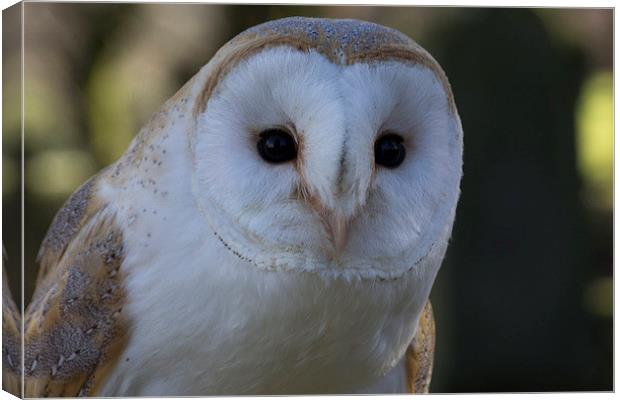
{"type": "Point", "coordinates": [74, 326]}
{"type": "Point", "coordinates": [419, 355]}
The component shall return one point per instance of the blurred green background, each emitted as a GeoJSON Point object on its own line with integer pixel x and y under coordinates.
{"type": "Point", "coordinates": [523, 301]}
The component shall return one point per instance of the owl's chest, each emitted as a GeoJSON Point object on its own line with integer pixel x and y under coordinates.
{"type": "Point", "coordinates": [224, 327]}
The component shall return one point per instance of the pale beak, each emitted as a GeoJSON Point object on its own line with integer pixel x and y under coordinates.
{"type": "Point", "coordinates": [337, 226]}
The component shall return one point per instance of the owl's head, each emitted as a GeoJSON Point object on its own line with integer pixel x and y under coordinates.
{"type": "Point", "coordinates": [327, 145]}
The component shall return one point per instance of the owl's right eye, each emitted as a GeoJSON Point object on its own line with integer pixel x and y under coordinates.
{"type": "Point", "coordinates": [276, 146]}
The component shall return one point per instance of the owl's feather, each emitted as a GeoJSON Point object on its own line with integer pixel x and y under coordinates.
{"type": "Point", "coordinates": [419, 355]}
{"type": "Point", "coordinates": [74, 327]}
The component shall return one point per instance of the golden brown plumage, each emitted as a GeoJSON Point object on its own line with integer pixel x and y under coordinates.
{"type": "Point", "coordinates": [420, 353]}
{"type": "Point", "coordinates": [74, 326]}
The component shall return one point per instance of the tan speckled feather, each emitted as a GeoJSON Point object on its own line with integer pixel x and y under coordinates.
{"type": "Point", "coordinates": [74, 326]}
{"type": "Point", "coordinates": [419, 355]}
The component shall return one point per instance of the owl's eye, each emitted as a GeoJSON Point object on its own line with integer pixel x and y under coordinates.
{"type": "Point", "coordinates": [276, 146]}
{"type": "Point", "coordinates": [389, 150]}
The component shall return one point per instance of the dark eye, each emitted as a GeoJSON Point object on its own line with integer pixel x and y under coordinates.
{"type": "Point", "coordinates": [389, 151]}
{"type": "Point", "coordinates": [276, 146]}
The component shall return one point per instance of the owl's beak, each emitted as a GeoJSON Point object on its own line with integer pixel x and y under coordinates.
{"type": "Point", "coordinates": [337, 225]}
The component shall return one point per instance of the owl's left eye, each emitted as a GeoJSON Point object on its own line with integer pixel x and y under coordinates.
{"type": "Point", "coordinates": [276, 146]}
{"type": "Point", "coordinates": [389, 150]}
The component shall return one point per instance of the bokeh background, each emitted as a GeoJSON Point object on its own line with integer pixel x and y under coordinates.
{"type": "Point", "coordinates": [523, 301]}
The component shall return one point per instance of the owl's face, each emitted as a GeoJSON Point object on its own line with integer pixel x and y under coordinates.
{"type": "Point", "coordinates": [302, 163]}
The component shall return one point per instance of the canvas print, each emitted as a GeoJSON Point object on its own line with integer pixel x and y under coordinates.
{"type": "Point", "coordinates": [289, 200]}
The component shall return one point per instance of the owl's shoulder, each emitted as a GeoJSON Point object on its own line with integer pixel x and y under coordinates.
{"type": "Point", "coordinates": [74, 327]}
{"type": "Point", "coordinates": [76, 210]}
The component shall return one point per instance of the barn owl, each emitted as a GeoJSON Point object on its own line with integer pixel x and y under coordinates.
{"type": "Point", "coordinates": [275, 228]}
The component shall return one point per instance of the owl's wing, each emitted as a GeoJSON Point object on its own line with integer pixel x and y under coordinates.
{"type": "Point", "coordinates": [419, 355]}
{"type": "Point", "coordinates": [74, 327]}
